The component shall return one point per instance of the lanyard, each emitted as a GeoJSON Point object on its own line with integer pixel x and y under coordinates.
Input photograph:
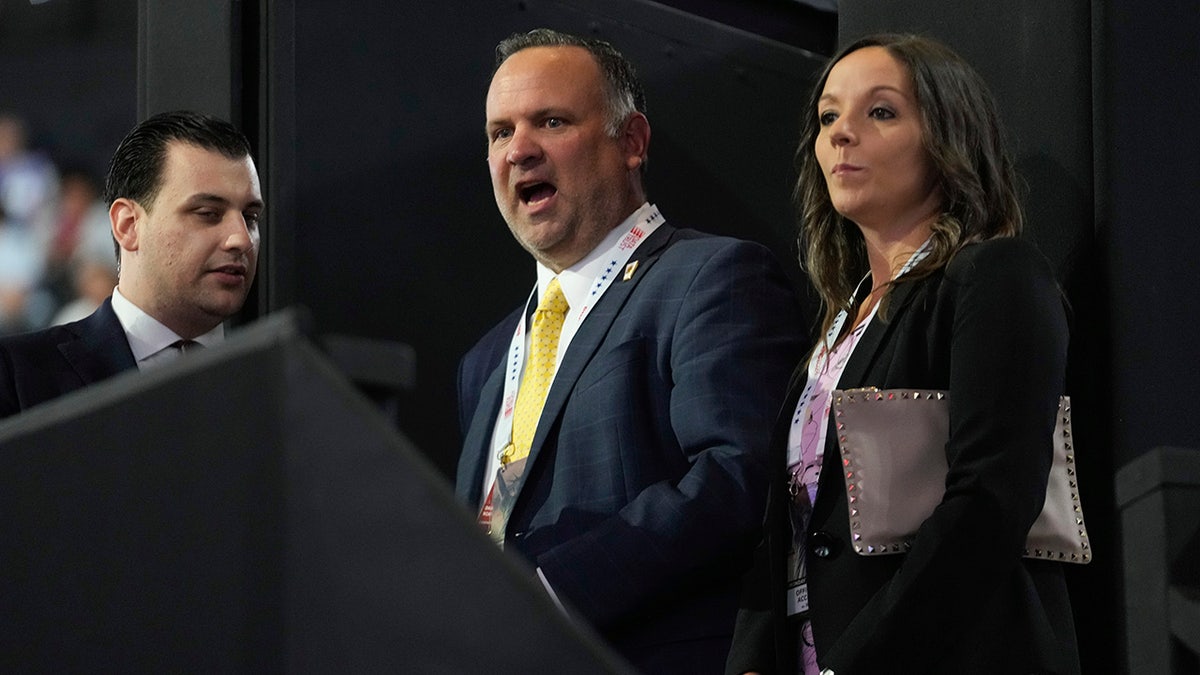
{"type": "Point", "coordinates": [642, 227]}
{"type": "Point", "coordinates": [821, 356]}
{"type": "Point", "coordinates": [800, 507]}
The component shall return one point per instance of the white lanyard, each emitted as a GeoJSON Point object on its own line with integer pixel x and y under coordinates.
{"type": "Point", "coordinates": [641, 228]}
{"type": "Point", "coordinates": [820, 357]}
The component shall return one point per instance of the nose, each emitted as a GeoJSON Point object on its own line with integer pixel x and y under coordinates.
{"type": "Point", "coordinates": [240, 236]}
{"type": "Point", "coordinates": [841, 132]}
{"type": "Point", "coordinates": [523, 147]}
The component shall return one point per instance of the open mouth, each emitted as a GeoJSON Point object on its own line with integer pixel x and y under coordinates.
{"type": "Point", "coordinates": [535, 193]}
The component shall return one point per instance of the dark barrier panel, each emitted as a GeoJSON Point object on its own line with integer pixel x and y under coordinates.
{"type": "Point", "coordinates": [1159, 497]}
{"type": "Point", "coordinates": [246, 510]}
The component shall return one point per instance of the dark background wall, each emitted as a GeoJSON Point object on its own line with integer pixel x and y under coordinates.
{"type": "Point", "coordinates": [69, 70]}
{"type": "Point", "coordinates": [1148, 220]}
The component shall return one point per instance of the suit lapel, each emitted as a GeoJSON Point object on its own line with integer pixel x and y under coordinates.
{"type": "Point", "coordinates": [591, 334]}
{"type": "Point", "coordinates": [100, 348]}
{"type": "Point", "coordinates": [860, 366]}
{"type": "Point", "coordinates": [867, 350]}
{"type": "Point", "coordinates": [477, 444]}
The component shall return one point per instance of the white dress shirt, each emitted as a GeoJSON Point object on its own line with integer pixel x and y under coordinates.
{"type": "Point", "coordinates": [149, 340]}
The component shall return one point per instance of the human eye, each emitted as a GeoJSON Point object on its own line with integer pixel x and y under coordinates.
{"type": "Point", "coordinates": [826, 118]}
{"type": "Point", "coordinates": [880, 112]}
{"type": "Point", "coordinates": [208, 215]}
{"type": "Point", "coordinates": [500, 133]}
{"type": "Point", "coordinates": [252, 218]}
{"type": "Point", "coordinates": [554, 122]}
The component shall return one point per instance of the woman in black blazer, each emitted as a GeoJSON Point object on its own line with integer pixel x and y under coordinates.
{"type": "Point", "coordinates": [909, 220]}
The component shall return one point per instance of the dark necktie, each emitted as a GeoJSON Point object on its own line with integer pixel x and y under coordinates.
{"type": "Point", "coordinates": [185, 346]}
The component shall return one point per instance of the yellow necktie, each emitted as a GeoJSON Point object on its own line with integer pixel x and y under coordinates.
{"type": "Point", "coordinates": [539, 370]}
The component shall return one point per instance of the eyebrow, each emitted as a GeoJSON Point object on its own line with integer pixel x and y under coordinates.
{"type": "Point", "coordinates": [208, 198]}
{"type": "Point", "coordinates": [540, 113]}
{"type": "Point", "coordinates": [872, 91]}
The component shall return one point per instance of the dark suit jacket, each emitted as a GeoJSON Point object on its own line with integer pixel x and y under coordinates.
{"type": "Point", "coordinates": [647, 478]}
{"type": "Point", "coordinates": [36, 367]}
{"type": "Point", "coordinates": [991, 328]}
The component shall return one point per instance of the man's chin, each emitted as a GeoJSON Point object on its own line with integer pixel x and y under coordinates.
{"type": "Point", "coordinates": [221, 308]}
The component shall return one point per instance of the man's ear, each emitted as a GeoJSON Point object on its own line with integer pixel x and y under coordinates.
{"type": "Point", "coordinates": [635, 139]}
{"type": "Point", "coordinates": [125, 216]}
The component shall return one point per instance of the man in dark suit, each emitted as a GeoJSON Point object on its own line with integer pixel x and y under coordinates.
{"type": "Point", "coordinates": [638, 489]}
{"type": "Point", "coordinates": [185, 203]}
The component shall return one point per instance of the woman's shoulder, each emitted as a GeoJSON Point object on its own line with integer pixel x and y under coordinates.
{"type": "Point", "coordinates": [999, 258]}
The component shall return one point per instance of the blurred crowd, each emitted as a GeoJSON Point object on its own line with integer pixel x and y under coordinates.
{"type": "Point", "coordinates": [57, 261]}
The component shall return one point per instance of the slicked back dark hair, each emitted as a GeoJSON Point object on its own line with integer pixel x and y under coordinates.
{"type": "Point", "coordinates": [622, 90]}
{"type": "Point", "coordinates": [136, 170]}
{"type": "Point", "coordinates": [137, 166]}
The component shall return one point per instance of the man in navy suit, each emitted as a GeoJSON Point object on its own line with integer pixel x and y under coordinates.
{"type": "Point", "coordinates": [642, 491]}
{"type": "Point", "coordinates": [185, 203]}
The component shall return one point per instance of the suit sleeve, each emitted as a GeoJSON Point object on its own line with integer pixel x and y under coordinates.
{"type": "Point", "coordinates": [754, 647]}
{"type": "Point", "coordinates": [468, 397]}
{"type": "Point", "coordinates": [1007, 363]}
{"type": "Point", "coordinates": [733, 336]}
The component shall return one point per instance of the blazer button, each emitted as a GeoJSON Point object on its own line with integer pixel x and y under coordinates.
{"type": "Point", "coordinates": [821, 544]}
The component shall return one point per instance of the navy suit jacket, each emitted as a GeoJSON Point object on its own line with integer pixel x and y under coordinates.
{"type": "Point", "coordinates": [992, 330]}
{"type": "Point", "coordinates": [36, 367]}
{"type": "Point", "coordinates": [647, 474]}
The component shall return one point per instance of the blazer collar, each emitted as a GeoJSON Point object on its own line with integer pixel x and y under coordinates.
{"type": "Point", "coordinates": [99, 349]}
{"type": "Point", "coordinates": [477, 444]}
{"type": "Point", "coordinates": [869, 345]}
{"type": "Point", "coordinates": [591, 333]}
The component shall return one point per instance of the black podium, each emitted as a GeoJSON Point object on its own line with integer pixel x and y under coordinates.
{"type": "Point", "coordinates": [244, 509]}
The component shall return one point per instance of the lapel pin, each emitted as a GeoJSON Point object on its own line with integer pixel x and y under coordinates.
{"type": "Point", "coordinates": [629, 270]}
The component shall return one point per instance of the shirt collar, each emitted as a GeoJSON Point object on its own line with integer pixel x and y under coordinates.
{"type": "Point", "coordinates": [148, 336]}
{"type": "Point", "coordinates": [576, 281]}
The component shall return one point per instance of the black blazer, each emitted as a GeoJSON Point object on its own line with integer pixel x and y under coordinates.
{"type": "Point", "coordinates": [991, 329]}
{"type": "Point", "coordinates": [36, 367]}
{"type": "Point", "coordinates": [647, 475]}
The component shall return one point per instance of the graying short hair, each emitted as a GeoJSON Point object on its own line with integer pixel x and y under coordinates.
{"type": "Point", "coordinates": [622, 91]}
